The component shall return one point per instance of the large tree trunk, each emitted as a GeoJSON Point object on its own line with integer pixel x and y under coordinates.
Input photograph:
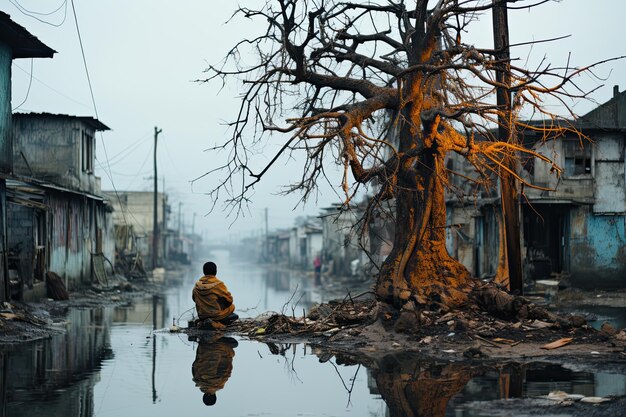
{"type": "Point", "coordinates": [419, 266]}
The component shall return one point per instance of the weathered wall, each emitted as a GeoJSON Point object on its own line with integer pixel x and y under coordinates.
{"type": "Point", "coordinates": [579, 187]}
{"type": "Point", "coordinates": [598, 249]}
{"type": "Point", "coordinates": [5, 108]}
{"type": "Point", "coordinates": [105, 223]}
{"type": "Point", "coordinates": [610, 196]}
{"type": "Point", "coordinates": [21, 239]}
{"type": "Point", "coordinates": [460, 235]}
{"type": "Point", "coordinates": [340, 242]}
{"type": "Point", "coordinates": [72, 239]}
{"type": "Point", "coordinates": [135, 208]}
{"type": "Point", "coordinates": [49, 148]}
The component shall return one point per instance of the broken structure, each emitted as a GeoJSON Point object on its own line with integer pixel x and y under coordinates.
{"type": "Point", "coordinates": [573, 228]}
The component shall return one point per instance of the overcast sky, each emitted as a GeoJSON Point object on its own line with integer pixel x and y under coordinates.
{"type": "Point", "coordinates": [143, 56]}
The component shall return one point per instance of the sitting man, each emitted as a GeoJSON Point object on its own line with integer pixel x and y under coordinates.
{"type": "Point", "coordinates": [214, 303]}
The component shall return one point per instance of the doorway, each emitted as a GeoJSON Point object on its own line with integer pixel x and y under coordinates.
{"type": "Point", "coordinates": [546, 235]}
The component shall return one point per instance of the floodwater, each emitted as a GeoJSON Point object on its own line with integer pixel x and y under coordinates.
{"type": "Point", "coordinates": [110, 362]}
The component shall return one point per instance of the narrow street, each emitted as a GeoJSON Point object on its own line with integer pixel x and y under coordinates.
{"type": "Point", "coordinates": [109, 361]}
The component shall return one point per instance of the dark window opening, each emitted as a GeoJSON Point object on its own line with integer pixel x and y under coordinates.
{"type": "Point", "coordinates": [88, 153]}
{"type": "Point", "coordinates": [577, 158]}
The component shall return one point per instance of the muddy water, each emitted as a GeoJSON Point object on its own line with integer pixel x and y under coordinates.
{"type": "Point", "coordinates": [110, 362]}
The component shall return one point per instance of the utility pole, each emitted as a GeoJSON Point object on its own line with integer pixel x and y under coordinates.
{"type": "Point", "coordinates": [164, 232]}
{"type": "Point", "coordinates": [267, 240]}
{"type": "Point", "coordinates": [180, 205]}
{"type": "Point", "coordinates": [155, 219]}
{"type": "Point", "coordinates": [508, 183]}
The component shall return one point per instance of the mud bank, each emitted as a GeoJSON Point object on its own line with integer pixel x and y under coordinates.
{"type": "Point", "coordinates": [26, 322]}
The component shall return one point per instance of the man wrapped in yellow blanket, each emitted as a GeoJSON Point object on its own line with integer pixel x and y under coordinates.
{"type": "Point", "coordinates": [214, 303]}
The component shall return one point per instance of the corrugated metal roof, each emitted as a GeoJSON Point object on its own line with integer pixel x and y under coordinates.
{"type": "Point", "coordinates": [609, 115]}
{"type": "Point", "coordinates": [22, 42]}
{"type": "Point", "coordinates": [34, 186]}
{"type": "Point", "coordinates": [91, 121]}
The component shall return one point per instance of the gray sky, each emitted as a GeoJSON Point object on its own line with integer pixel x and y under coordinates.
{"type": "Point", "coordinates": [143, 55]}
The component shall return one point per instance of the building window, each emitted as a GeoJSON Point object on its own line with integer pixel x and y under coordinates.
{"type": "Point", "coordinates": [88, 154]}
{"type": "Point", "coordinates": [577, 158]}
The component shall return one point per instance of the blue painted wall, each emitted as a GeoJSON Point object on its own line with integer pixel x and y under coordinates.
{"type": "Point", "coordinates": [6, 151]}
{"type": "Point", "coordinates": [598, 250]}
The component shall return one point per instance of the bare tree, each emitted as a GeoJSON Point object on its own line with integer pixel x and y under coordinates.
{"type": "Point", "coordinates": [385, 89]}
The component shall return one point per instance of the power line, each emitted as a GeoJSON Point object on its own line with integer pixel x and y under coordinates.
{"type": "Point", "coordinates": [124, 153]}
{"type": "Point", "coordinates": [16, 3]}
{"type": "Point", "coordinates": [33, 14]}
{"type": "Point", "coordinates": [82, 51]}
{"type": "Point", "coordinates": [50, 87]}
{"type": "Point", "coordinates": [30, 82]}
{"type": "Point", "coordinates": [95, 109]}
{"type": "Point", "coordinates": [93, 99]}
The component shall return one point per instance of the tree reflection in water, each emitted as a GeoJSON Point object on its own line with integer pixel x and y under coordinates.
{"type": "Point", "coordinates": [411, 387]}
{"type": "Point", "coordinates": [213, 365]}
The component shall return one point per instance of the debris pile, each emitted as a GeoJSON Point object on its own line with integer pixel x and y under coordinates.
{"type": "Point", "coordinates": [322, 319]}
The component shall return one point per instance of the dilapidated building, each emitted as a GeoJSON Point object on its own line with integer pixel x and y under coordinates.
{"type": "Point", "coordinates": [133, 219]}
{"type": "Point", "coordinates": [57, 219]}
{"type": "Point", "coordinates": [574, 226]}
{"type": "Point", "coordinates": [15, 43]}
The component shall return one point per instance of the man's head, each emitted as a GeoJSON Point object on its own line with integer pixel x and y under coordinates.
{"type": "Point", "coordinates": [209, 399]}
{"type": "Point", "coordinates": [209, 268]}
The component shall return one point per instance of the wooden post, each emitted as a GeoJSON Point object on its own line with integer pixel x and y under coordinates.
{"type": "Point", "coordinates": [508, 183]}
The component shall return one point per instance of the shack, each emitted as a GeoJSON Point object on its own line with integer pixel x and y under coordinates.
{"type": "Point", "coordinates": [57, 218]}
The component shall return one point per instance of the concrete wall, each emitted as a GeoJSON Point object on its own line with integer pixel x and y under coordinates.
{"type": "Point", "coordinates": [49, 148]}
{"type": "Point", "coordinates": [597, 249]}
{"type": "Point", "coordinates": [135, 208]}
{"type": "Point", "coordinates": [610, 187]}
{"type": "Point", "coordinates": [579, 187]}
{"type": "Point", "coordinates": [460, 235]}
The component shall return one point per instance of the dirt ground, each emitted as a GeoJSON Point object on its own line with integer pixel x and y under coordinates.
{"type": "Point", "coordinates": [27, 322]}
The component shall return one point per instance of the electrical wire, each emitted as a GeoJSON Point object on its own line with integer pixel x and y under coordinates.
{"type": "Point", "coordinates": [33, 14]}
{"type": "Point", "coordinates": [50, 87]}
{"type": "Point", "coordinates": [124, 153]}
{"type": "Point", "coordinates": [30, 83]}
{"type": "Point", "coordinates": [95, 108]}
{"type": "Point", "coordinates": [16, 3]}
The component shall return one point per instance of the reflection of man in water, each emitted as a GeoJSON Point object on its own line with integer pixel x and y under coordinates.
{"type": "Point", "coordinates": [213, 366]}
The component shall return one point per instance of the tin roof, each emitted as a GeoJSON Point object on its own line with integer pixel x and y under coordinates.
{"type": "Point", "coordinates": [22, 42]}
{"type": "Point", "coordinates": [91, 121]}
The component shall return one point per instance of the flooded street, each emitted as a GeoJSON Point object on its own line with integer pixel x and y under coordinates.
{"type": "Point", "coordinates": [110, 362]}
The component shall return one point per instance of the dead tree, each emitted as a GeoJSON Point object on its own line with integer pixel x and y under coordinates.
{"type": "Point", "coordinates": [385, 89]}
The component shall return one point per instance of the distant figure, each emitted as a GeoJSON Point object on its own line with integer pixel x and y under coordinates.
{"type": "Point", "coordinates": [317, 266]}
{"type": "Point", "coordinates": [214, 303]}
{"type": "Point", "coordinates": [213, 366]}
